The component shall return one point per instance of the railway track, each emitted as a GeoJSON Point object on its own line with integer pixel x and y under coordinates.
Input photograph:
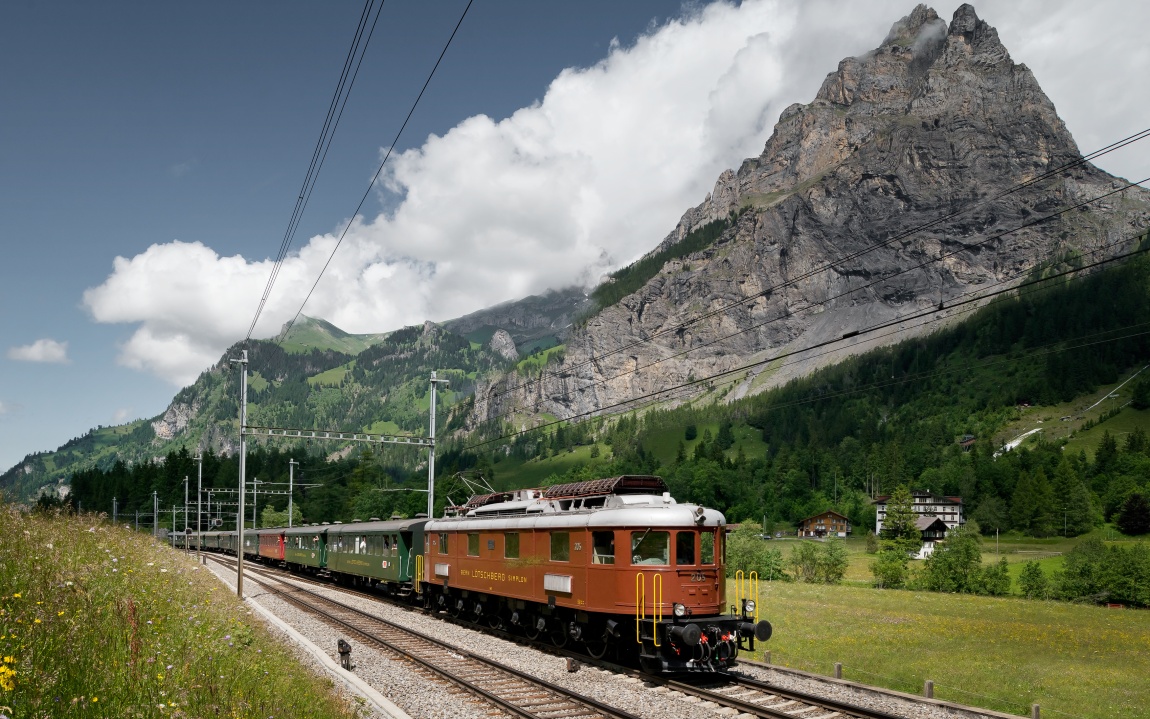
{"type": "Point", "coordinates": [511, 692]}
{"type": "Point", "coordinates": [750, 697]}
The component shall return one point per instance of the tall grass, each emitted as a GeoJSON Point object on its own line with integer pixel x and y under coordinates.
{"type": "Point", "coordinates": [97, 621]}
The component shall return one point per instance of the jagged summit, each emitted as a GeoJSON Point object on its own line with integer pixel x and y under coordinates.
{"type": "Point", "coordinates": [937, 119]}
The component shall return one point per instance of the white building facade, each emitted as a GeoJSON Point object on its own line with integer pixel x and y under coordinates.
{"type": "Point", "coordinates": [925, 504]}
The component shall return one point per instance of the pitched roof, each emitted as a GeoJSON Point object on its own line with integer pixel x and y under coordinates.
{"type": "Point", "coordinates": [925, 522]}
{"type": "Point", "coordinates": [828, 511]}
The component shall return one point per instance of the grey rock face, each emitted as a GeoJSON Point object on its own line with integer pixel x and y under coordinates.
{"type": "Point", "coordinates": [936, 120]}
{"type": "Point", "coordinates": [502, 345]}
{"type": "Point", "coordinates": [549, 314]}
{"type": "Point", "coordinates": [174, 420]}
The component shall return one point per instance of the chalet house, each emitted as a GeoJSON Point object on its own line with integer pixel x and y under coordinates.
{"type": "Point", "coordinates": [827, 524]}
{"type": "Point", "coordinates": [933, 531]}
{"type": "Point", "coordinates": [925, 504]}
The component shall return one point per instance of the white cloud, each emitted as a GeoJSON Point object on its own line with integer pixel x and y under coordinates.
{"type": "Point", "coordinates": [585, 180]}
{"type": "Point", "coordinates": [3, 409]}
{"type": "Point", "coordinates": [122, 415]}
{"type": "Point", "coordinates": [42, 350]}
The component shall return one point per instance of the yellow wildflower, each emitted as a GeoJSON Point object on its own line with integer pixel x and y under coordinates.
{"type": "Point", "coordinates": [16, 595]}
{"type": "Point", "coordinates": [35, 621]}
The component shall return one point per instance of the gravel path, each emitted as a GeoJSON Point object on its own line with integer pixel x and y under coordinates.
{"type": "Point", "coordinates": [427, 697]}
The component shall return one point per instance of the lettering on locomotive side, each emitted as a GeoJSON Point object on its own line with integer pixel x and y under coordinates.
{"type": "Point", "coordinates": [493, 576]}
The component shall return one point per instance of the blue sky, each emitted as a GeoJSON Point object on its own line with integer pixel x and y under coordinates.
{"type": "Point", "coordinates": [557, 141]}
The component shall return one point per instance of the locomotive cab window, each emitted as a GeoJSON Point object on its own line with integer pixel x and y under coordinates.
{"type": "Point", "coordinates": [473, 544]}
{"type": "Point", "coordinates": [685, 548]}
{"type": "Point", "coordinates": [603, 547]}
{"type": "Point", "coordinates": [560, 546]}
{"type": "Point", "coordinates": [707, 547]}
{"type": "Point", "coordinates": [511, 545]}
{"type": "Point", "coordinates": [443, 543]}
{"type": "Point", "coordinates": [648, 547]}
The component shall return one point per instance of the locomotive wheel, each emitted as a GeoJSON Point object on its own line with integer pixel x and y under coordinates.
{"type": "Point", "coordinates": [530, 629]}
{"type": "Point", "coordinates": [597, 648]}
{"type": "Point", "coordinates": [559, 636]}
{"type": "Point", "coordinates": [494, 620]}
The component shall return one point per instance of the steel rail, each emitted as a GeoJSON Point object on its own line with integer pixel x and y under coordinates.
{"type": "Point", "coordinates": [560, 693]}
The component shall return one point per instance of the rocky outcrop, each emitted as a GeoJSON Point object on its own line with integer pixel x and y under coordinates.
{"type": "Point", "coordinates": [531, 318]}
{"type": "Point", "coordinates": [834, 228]}
{"type": "Point", "coordinates": [174, 420]}
{"type": "Point", "coordinates": [502, 345]}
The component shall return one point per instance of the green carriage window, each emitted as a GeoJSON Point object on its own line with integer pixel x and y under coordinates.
{"type": "Point", "coordinates": [649, 547]}
{"type": "Point", "coordinates": [443, 543]}
{"type": "Point", "coordinates": [707, 547]}
{"type": "Point", "coordinates": [560, 546]}
{"type": "Point", "coordinates": [473, 544]}
{"type": "Point", "coordinates": [602, 547]}
{"type": "Point", "coordinates": [511, 545]}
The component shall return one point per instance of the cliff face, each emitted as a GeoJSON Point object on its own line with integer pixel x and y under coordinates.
{"type": "Point", "coordinates": [938, 119]}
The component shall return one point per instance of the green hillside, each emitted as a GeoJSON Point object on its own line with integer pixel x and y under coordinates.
{"type": "Point", "coordinates": [310, 333]}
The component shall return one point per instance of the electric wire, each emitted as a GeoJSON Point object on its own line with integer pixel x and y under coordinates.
{"type": "Point", "coordinates": [788, 313]}
{"type": "Point", "coordinates": [1117, 145]}
{"type": "Point", "coordinates": [323, 144]}
{"type": "Point", "coordinates": [375, 178]}
{"type": "Point", "coordinates": [975, 303]}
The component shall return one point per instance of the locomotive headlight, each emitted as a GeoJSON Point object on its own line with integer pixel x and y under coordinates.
{"type": "Point", "coordinates": [749, 606]}
{"type": "Point", "coordinates": [680, 611]}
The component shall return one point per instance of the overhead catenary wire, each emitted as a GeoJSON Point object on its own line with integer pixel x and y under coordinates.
{"type": "Point", "coordinates": [1116, 145]}
{"type": "Point", "coordinates": [375, 178]}
{"type": "Point", "coordinates": [789, 313]}
{"type": "Point", "coordinates": [335, 110]}
{"type": "Point", "coordinates": [663, 395]}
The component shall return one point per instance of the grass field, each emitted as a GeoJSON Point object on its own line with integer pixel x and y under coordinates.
{"type": "Point", "coordinates": [97, 621]}
{"type": "Point", "coordinates": [999, 653]}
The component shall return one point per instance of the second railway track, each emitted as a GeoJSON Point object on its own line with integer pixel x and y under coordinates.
{"type": "Point", "coordinates": [511, 692]}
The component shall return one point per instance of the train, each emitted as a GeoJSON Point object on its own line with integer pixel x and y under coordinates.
{"type": "Point", "coordinates": [611, 565]}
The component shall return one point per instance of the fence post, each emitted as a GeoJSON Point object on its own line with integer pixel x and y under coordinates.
{"type": "Point", "coordinates": [838, 670]}
{"type": "Point", "coordinates": [928, 689]}
{"type": "Point", "coordinates": [1034, 711]}
{"type": "Point", "coordinates": [767, 657]}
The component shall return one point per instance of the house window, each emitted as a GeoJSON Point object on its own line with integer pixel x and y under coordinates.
{"type": "Point", "coordinates": [473, 544]}
{"type": "Point", "coordinates": [560, 546]}
{"type": "Point", "coordinates": [602, 547]}
{"type": "Point", "coordinates": [443, 543]}
{"type": "Point", "coordinates": [511, 545]}
{"type": "Point", "coordinates": [685, 548]}
{"type": "Point", "coordinates": [649, 547]}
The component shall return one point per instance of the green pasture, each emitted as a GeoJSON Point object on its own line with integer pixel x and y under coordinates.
{"type": "Point", "coordinates": [332, 377]}
{"type": "Point", "coordinates": [999, 653]}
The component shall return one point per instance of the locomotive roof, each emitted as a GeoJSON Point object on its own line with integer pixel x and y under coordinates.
{"type": "Point", "coordinates": [633, 510]}
{"type": "Point", "coordinates": [387, 525]}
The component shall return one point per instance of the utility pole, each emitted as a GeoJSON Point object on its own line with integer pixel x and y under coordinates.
{"type": "Point", "coordinates": [113, 511]}
{"type": "Point", "coordinates": [431, 451]}
{"type": "Point", "coordinates": [137, 520]}
{"type": "Point", "coordinates": [243, 363]}
{"type": "Point", "coordinates": [155, 515]}
{"type": "Point", "coordinates": [185, 511]}
{"type": "Point", "coordinates": [291, 485]}
{"type": "Point", "coordinates": [255, 501]}
{"type": "Point", "coordinates": [199, 500]}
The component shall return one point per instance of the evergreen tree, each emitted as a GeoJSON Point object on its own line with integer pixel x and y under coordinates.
{"type": "Point", "coordinates": [1141, 396]}
{"type": "Point", "coordinates": [1032, 507]}
{"type": "Point", "coordinates": [899, 527]}
{"type": "Point", "coordinates": [1136, 440]}
{"type": "Point", "coordinates": [1032, 581]}
{"type": "Point", "coordinates": [1073, 501]}
{"type": "Point", "coordinates": [1134, 519]}
{"type": "Point", "coordinates": [1106, 453]}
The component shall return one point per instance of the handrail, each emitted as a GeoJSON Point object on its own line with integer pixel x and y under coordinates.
{"type": "Point", "coordinates": [657, 610]}
{"type": "Point", "coordinates": [640, 604]}
{"type": "Point", "coordinates": [418, 577]}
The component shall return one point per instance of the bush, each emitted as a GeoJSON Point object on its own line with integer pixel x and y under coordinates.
{"type": "Point", "coordinates": [1096, 573]}
{"type": "Point", "coordinates": [746, 551]}
{"type": "Point", "coordinates": [1032, 581]}
{"type": "Point", "coordinates": [995, 580]}
{"type": "Point", "coordinates": [955, 565]}
{"type": "Point", "coordinates": [890, 569]}
{"type": "Point", "coordinates": [824, 563]}
{"type": "Point", "coordinates": [871, 543]}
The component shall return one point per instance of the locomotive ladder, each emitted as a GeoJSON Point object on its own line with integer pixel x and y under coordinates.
{"type": "Point", "coordinates": [641, 605]}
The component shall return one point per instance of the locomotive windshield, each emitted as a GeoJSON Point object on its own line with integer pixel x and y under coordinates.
{"type": "Point", "coordinates": [648, 547]}
{"type": "Point", "coordinates": [685, 548]}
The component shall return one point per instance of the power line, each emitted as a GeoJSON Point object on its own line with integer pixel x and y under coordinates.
{"type": "Point", "coordinates": [655, 396]}
{"type": "Point", "coordinates": [1119, 144]}
{"type": "Point", "coordinates": [390, 149]}
{"type": "Point", "coordinates": [789, 313]}
{"type": "Point", "coordinates": [339, 100]}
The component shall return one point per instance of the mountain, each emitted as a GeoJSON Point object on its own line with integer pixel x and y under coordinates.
{"type": "Point", "coordinates": [534, 323]}
{"type": "Point", "coordinates": [317, 376]}
{"type": "Point", "coordinates": [817, 237]}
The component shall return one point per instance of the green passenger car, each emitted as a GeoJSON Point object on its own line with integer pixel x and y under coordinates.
{"type": "Point", "coordinates": [377, 551]}
{"type": "Point", "coordinates": [306, 547]}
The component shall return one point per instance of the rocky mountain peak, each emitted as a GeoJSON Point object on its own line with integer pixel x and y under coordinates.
{"type": "Point", "coordinates": [935, 120]}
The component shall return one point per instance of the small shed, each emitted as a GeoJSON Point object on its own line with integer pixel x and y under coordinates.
{"type": "Point", "coordinates": [826, 524]}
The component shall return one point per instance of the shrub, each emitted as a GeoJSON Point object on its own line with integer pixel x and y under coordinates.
{"type": "Point", "coordinates": [746, 551]}
{"type": "Point", "coordinates": [871, 543]}
{"type": "Point", "coordinates": [824, 563]}
{"type": "Point", "coordinates": [1032, 581]}
{"type": "Point", "coordinates": [890, 569]}
{"type": "Point", "coordinates": [995, 580]}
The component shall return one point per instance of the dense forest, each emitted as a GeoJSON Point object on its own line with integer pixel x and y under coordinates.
{"type": "Point", "coordinates": [892, 417]}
